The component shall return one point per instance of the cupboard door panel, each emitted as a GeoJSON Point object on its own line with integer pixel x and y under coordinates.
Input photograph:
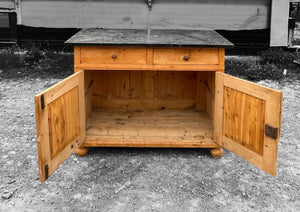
{"type": "Point", "coordinates": [60, 120]}
{"type": "Point", "coordinates": [248, 120]}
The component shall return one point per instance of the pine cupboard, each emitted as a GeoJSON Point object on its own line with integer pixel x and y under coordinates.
{"type": "Point", "coordinates": [155, 88]}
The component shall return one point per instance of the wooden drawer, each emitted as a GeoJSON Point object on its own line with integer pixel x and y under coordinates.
{"type": "Point", "coordinates": [186, 56]}
{"type": "Point", "coordinates": [113, 55]}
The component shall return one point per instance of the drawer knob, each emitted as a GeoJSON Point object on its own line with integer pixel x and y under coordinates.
{"type": "Point", "coordinates": [186, 58]}
{"type": "Point", "coordinates": [114, 56]}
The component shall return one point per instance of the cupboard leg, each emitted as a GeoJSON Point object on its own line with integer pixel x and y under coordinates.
{"type": "Point", "coordinates": [81, 151]}
{"type": "Point", "coordinates": [216, 152]}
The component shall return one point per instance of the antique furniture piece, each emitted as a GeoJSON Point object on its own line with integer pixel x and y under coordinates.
{"type": "Point", "coordinates": [155, 88]}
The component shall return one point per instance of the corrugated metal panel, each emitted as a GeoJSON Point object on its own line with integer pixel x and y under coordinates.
{"type": "Point", "coordinates": [175, 14]}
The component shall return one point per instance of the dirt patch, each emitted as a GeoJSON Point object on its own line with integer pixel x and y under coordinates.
{"type": "Point", "coordinates": [128, 179]}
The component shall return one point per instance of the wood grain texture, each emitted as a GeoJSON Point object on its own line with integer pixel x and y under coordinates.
{"type": "Point", "coordinates": [221, 60]}
{"type": "Point", "coordinates": [88, 82]}
{"type": "Point", "coordinates": [147, 58]}
{"type": "Point", "coordinates": [77, 53]}
{"type": "Point", "coordinates": [63, 121]}
{"type": "Point", "coordinates": [246, 107]}
{"type": "Point", "coordinates": [185, 56]}
{"type": "Point", "coordinates": [218, 108]}
{"type": "Point", "coordinates": [244, 119]}
{"type": "Point", "coordinates": [113, 55]}
{"type": "Point", "coordinates": [144, 89]}
{"type": "Point", "coordinates": [146, 67]}
{"type": "Point", "coordinates": [149, 128]}
{"type": "Point", "coordinates": [61, 124]}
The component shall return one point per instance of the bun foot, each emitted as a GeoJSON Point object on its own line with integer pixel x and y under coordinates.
{"type": "Point", "coordinates": [216, 152]}
{"type": "Point", "coordinates": [81, 151]}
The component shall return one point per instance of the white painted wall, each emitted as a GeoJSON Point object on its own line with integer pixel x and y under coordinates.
{"type": "Point", "coordinates": [8, 4]}
{"type": "Point", "coordinates": [279, 23]}
{"type": "Point", "coordinates": [175, 14]}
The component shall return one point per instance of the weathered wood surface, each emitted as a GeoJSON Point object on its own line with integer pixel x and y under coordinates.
{"type": "Point", "coordinates": [242, 110]}
{"type": "Point", "coordinates": [149, 128]}
{"type": "Point", "coordinates": [60, 123]}
{"type": "Point", "coordinates": [144, 89]}
{"type": "Point", "coordinates": [148, 58]}
{"type": "Point", "coordinates": [132, 14]}
{"type": "Point", "coordinates": [150, 37]}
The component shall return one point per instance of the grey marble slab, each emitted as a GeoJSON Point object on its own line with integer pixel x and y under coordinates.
{"type": "Point", "coordinates": [149, 37]}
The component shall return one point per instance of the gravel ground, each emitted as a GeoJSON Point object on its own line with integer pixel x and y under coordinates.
{"type": "Point", "coordinates": [124, 179]}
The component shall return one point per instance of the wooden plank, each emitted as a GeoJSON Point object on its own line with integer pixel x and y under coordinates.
{"type": "Point", "coordinates": [243, 152]}
{"type": "Point", "coordinates": [112, 55]}
{"type": "Point", "coordinates": [186, 56]}
{"type": "Point", "coordinates": [194, 14]}
{"type": "Point", "coordinates": [116, 141]}
{"type": "Point", "coordinates": [210, 94]}
{"type": "Point", "coordinates": [147, 103]}
{"type": "Point", "coordinates": [147, 67]}
{"type": "Point", "coordinates": [244, 119]}
{"type": "Point", "coordinates": [201, 91]}
{"type": "Point", "coordinates": [59, 122]}
{"type": "Point", "coordinates": [149, 86]}
{"type": "Point", "coordinates": [251, 88]}
{"type": "Point", "coordinates": [182, 85]}
{"type": "Point", "coordinates": [135, 83]}
{"type": "Point", "coordinates": [150, 55]}
{"type": "Point", "coordinates": [63, 121]}
{"type": "Point", "coordinates": [163, 85]}
{"type": "Point", "coordinates": [247, 108]}
{"type": "Point", "coordinates": [221, 60]}
{"type": "Point", "coordinates": [273, 118]}
{"type": "Point", "coordinates": [88, 84]}
{"type": "Point", "coordinates": [218, 109]}
{"type": "Point", "coordinates": [138, 89]}
{"type": "Point", "coordinates": [77, 52]}
{"type": "Point", "coordinates": [97, 87]}
{"type": "Point", "coordinates": [149, 128]}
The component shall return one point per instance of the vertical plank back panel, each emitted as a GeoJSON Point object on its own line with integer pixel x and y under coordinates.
{"type": "Point", "coordinates": [244, 119]}
{"type": "Point", "coordinates": [63, 120]}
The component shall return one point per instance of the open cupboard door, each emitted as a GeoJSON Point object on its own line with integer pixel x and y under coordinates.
{"type": "Point", "coordinates": [60, 121]}
{"type": "Point", "coordinates": [248, 120]}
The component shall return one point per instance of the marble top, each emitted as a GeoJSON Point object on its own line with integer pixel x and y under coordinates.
{"type": "Point", "coordinates": [149, 37]}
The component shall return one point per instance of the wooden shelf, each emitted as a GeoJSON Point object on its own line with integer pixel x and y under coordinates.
{"type": "Point", "coordinates": [149, 128]}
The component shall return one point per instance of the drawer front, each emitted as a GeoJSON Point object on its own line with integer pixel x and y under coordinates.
{"type": "Point", "coordinates": [113, 55]}
{"type": "Point", "coordinates": [186, 56]}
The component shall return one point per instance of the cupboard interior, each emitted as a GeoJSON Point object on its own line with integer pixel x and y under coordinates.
{"type": "Point", "coordinates": [149, 108]}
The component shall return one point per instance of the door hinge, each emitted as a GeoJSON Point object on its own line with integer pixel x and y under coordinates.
{"type": "Point", "coordinates": [46, 171]}
{"type": "Point", "coordinates": [42, 102]}
{"type": "Point", "coordinates": [271, 132]}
